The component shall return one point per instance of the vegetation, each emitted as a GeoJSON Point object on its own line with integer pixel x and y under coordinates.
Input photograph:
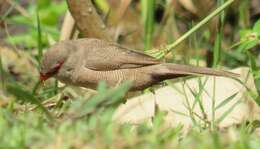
{"type": "Point", "coordinates": [33, 115]}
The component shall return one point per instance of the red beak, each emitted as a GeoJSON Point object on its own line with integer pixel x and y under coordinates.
{"type": "Point", "coordinates": [46, 76]}
{"type": "Point", "coordinates": [43, 77]}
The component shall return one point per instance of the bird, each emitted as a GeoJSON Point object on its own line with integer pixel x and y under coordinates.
{"type": "Point", "coordinates": [85, 62]}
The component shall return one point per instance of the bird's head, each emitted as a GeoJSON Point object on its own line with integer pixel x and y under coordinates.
{"type": "Point", "coordinates": [53, 60]}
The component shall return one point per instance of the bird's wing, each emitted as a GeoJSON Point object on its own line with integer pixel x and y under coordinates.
{"type": "Point", "coordinates": [104, 56]}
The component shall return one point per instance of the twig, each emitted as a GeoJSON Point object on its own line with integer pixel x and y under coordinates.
{"type": "Point", "coordinates": [87, 19]}
{"type": "Point", "coordinates": [68, 27]}
{"type": "Point", "coordinates": [19, 8]}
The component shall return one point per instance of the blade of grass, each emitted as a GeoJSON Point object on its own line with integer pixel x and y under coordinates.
{"type": "Point", "coordinates": [213, 102]}
{"type": "Point", "coordinates": [101, 100]}
{"type": "Point", "coordinates": [188, 106]}
{"type": "Point", "coordinates": [36, 86]}
{"type": "Point", "coordinates": [224, 102]}
{"type": "Point", "coordinates": [216, 60]}
{"type": "Point", "coordinates": [217, 50]}
{"type": "Point", "coordinates": [2, 74]}
{"type": "Point", "coordinates": [56, 86]}
{"type": "Point", "coordinates": [197, 98]}
{"type": "Point", "coordinates": [249, 91]}
{"type": "Point", "coordinates": [223, 116]}
{"type": "Point", "coordinates": [50, 91]}
{"type": "Point", "coordinates": [26, 96]}
{"type": "Point", "coordinates": [196, 27]}
{"type": "Point", "coordinates": [254, 69]}
{"type": "Point", "coordinates": [201, 89]}
{"type": "Point", "coordinates": [195, 40]}
{"type": "Point", "coordinates": [148, 7]}
{"type": "Point", "coordinates": [39, 37]}
{"type": "Point", "coordinates": [218, 43]}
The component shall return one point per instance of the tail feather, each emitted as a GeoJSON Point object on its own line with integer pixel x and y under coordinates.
{"type": "Point", "coordinates": [184, 70]}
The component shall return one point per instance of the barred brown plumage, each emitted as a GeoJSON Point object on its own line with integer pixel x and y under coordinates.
{"type": "Point", "coordinates": [85, 62]}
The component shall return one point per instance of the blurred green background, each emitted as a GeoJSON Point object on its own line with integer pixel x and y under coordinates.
{"type": "Point", "coordinates": [53, 116]}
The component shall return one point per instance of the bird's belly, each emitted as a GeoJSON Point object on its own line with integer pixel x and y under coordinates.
{"type": "Point", "coordinates": [140, 79]}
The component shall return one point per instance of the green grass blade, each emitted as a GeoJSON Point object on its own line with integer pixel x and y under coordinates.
{"type": "Point", "coordinates": [201, 89]}
{"type": "Point", "coordinates": [218, 41]}
{"type": "Point", "coordinates": [197, 96]}
{"type": "Point", "coordinates": [39, 37]}
{"type": "Point", "coordinates": [2, 73]}
{"type": "Point", "coordinates": [217, 50]}
{"type": "Point", "coordinates": [26, 96]}
{"type": "Point", "coordinates": [224, 102]}
{"type": "Point", "coordinates": [255, 69]}
{"type": "Point", "coordinates": [148, 7]}
{"type": "Point", "coordinates": [213, 102]}
{"type": "Point", "coordinates": [199, 25]}
{"type": "Point", "coordinates": [102, 99]}
{"type": "Point", "coordinates": [225, 114]}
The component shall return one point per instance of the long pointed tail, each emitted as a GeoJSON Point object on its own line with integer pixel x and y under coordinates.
{"type": "Point", "coordinates": [184, 70]}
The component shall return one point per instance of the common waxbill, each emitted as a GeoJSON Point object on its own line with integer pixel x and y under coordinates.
{"type": "Point", "coordinates": [85, 62]}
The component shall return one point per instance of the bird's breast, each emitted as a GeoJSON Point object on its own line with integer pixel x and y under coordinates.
{"type": "Point", "coordinates": [90, 78]}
